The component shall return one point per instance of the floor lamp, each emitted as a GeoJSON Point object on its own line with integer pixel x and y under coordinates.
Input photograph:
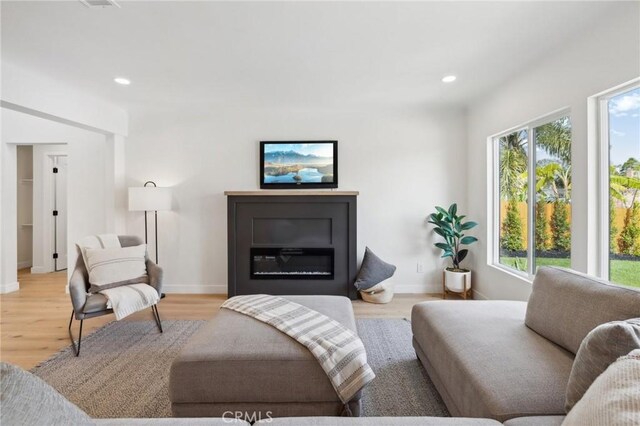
{"type": "Point", "coordinates": [149, 198]}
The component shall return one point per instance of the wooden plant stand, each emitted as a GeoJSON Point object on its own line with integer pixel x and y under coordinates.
{"type": "Point", "coordinates": [466, 294]}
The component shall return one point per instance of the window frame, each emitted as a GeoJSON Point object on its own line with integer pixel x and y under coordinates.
{"type": "Point", "coordinates": [604, 161]}
{"type": "Point", "coordinates": [495, 229]}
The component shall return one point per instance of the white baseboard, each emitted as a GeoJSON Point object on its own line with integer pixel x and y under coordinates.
{"type": "Point", "coordinates": [39, 270]}
{"type": "Point", "coordinates": [24, 264]}
{"type": "Point", "coordinates": [222, 289]}
{"type": "Point", "coordinates": [195, 289]}
{"type": "Point", "coordinates": [10, 287]}
{"type": "Point", "coordinates": [418, 288]}
{"type": "Point", "coordinates": [479, 296]}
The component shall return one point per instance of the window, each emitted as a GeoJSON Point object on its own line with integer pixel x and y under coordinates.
{"type": "Point", "coordinates": [620, 139]}
{"type": "Point", "coordinates": [514, 210]}
{"type": "Point", "coordinates": [533, 195]}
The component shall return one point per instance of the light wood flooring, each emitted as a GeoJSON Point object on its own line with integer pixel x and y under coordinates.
{"type": "Point", "coordinates": [34, 320]}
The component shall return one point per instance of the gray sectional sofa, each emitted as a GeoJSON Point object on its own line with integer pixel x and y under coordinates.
{"type": "Point", "coordinates": [506, 359]}
{"type": "Point", "coordinates": [492, 361]}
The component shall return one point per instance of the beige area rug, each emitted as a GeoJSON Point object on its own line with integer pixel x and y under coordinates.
{"type": "Point", "coordinates": [123, 370]}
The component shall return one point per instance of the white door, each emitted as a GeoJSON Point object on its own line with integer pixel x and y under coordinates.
{"type": "Point", "coordinates": [60, 203]}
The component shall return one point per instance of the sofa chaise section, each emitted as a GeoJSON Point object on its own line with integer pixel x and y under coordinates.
{"type": "Point", "coordinates": [485, 362]}
{"type": "Point", "coordinates": [508, 359]}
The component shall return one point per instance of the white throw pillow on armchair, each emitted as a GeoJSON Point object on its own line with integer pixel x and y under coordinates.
{"type": "Point", "coordinates": [114, 267]}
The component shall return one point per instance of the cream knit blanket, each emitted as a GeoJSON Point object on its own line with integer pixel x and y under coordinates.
{"type": "Point", "coordinates": [128, 299]}
{"type": "Point", "coordinates": [339, 350]}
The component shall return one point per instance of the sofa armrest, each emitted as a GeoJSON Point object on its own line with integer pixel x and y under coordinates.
{"type": "Point", "coordinates": [78, 290]}
{"type": "Point", "coordinates": [155, 276]}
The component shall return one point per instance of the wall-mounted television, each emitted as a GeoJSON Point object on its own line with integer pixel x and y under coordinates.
{"type": "Point", "coordinates": [298, 164]}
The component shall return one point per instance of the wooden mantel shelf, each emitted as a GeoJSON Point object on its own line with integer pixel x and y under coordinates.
{"type": "Point", "coordinates": [293, 192]}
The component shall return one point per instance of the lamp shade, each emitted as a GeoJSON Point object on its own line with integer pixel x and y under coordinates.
{"type": "Point", "coordinates": [149, 198]}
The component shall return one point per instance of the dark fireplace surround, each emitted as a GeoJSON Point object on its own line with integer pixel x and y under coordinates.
{"type": "Point", "coordinates": [290, 242]}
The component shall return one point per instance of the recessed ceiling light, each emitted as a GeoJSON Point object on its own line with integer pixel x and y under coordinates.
{"type": "Point", "coordinates": [122, 80]}
{"type": "Point", "coordinates": [449, 79]}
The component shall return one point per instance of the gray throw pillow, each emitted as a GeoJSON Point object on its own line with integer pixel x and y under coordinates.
{"type": "Point", "coordinates": [373, 271]}
{"type": "Point", "coordinates": [602, 346]}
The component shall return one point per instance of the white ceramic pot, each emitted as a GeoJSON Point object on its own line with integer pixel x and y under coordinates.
{"type": "Point", "coordinates": [455, 280]}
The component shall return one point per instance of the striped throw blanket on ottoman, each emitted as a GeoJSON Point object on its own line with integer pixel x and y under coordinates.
{"type": "Point", "coordinates": [339, 350]}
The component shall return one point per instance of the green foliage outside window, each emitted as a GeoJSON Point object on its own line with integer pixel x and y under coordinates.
{"type": "Point", "coordinates": [613, 229]}
{"type": "Point", "coordinates": [512, 229]}
{"type": "Point", "coordinates": [542, 229]}
{"type": "Point", "coordinates": [629, 239]}
{"type": "Point", "coordinates": [560, 227]}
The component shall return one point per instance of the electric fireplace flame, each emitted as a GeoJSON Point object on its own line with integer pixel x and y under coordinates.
{"type": "Point", "coordinates": [292, 263]}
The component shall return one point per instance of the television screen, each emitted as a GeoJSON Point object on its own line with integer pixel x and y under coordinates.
{"type": "Point", "coordinates": [311, 164]}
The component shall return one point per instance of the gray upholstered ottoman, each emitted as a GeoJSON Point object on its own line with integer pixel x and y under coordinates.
{"type": "Point", "coordinates": [238, 364]}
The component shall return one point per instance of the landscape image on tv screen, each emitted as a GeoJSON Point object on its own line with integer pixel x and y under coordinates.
{"type": "Point", "coordinates": [293, 163]}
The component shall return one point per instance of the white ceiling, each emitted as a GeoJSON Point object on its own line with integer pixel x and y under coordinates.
{"type": "Point", "coordinates": [289, 54]}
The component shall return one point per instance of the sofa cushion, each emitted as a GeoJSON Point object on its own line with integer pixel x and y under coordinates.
{"type": "Point", "coordinates": [174, 421]}
{"type": "Point", "coordinates": [375, 421]}
{"type": "Point", "coordinates": [565, 306]}
{"type": "Point", "coordinates": [602, 346]}
{"type": "Point", "coordinates": [536, 421]}
{"type": "Point", "coordinates": [488, 362]}
{"type": "Point", "coordinates": [613, 398]}
{"type": "Point", "coordinates": [28, 400]}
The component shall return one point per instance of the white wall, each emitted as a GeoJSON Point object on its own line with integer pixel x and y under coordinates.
{"type": "Point", "coordinates": [25, 206]}
{"type": "Point", "coordinates": [399, 160]}
{"type": "Point", "coordinates": [87, 197]}
{"type": "Point", "coordinates": [32, 90]}
{"type": "Point", "coordinates": [605, 56]}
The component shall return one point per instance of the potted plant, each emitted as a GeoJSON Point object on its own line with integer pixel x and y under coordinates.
{"type": "Point", "coordinates": [450, 226]}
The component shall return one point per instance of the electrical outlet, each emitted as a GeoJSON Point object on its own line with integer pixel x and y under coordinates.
{"type": "Point", "coordinates": [420, 267]}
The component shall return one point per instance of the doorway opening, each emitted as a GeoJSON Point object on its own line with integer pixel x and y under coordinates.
{"type": "Point", "coordinates": [42, 208]}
